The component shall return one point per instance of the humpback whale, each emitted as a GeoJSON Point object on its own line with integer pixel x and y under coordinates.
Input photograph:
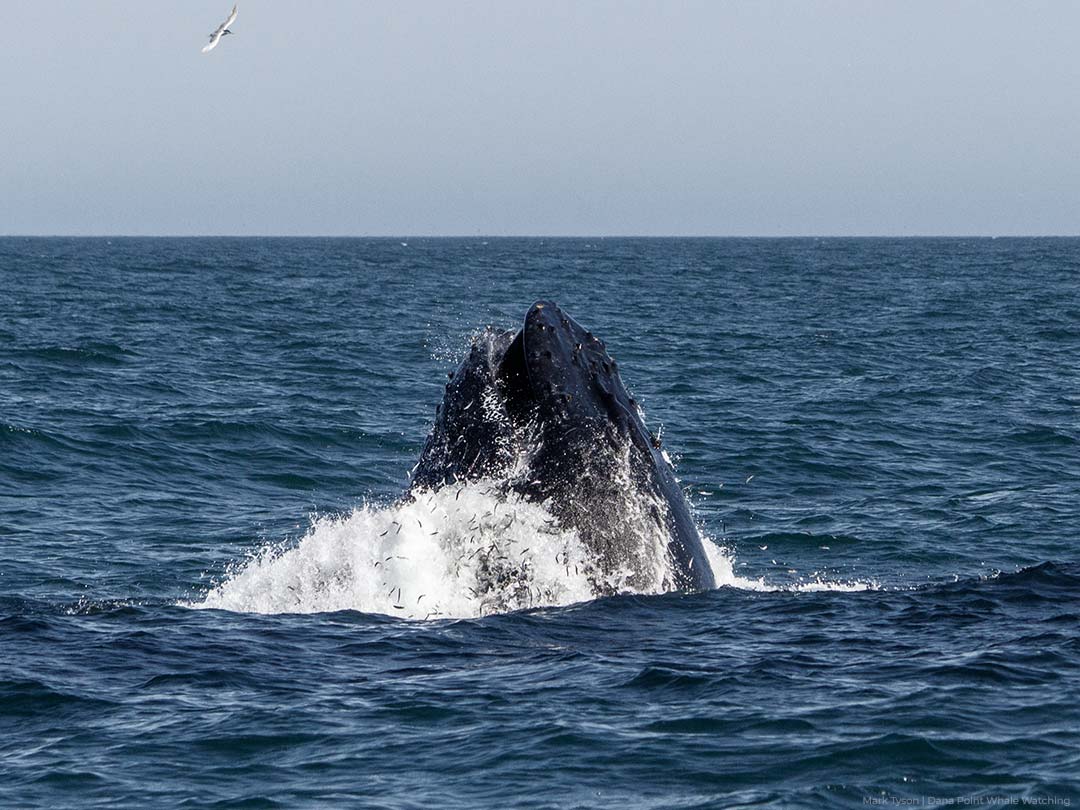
{"type": "Point", "coordinates": [543, 410]}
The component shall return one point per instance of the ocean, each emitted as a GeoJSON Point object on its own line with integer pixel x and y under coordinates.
{"type": "Point", "coordinates": [204, 444]}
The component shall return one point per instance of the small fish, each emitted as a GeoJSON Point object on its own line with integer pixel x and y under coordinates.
{"type": "Point", "coordinates": [384, 533]}
{"type": "Point", "coordinates": [749, 479]}
{"type": "Point", "coordinates": [421, 596]}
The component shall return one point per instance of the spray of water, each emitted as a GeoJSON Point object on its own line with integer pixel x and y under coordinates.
{"type": "Point", "coordinates": [465, 550]}
{"type": "Point", "coordinates": [723, 571]}
{"type": "Point", "coordinates": [462, 551]}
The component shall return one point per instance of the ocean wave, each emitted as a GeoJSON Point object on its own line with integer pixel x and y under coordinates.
{"type": "Point", "coordinates": [89, 353]}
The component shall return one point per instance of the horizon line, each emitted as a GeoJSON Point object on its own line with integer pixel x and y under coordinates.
{"type": "Point", "coordinates": [534, 236]}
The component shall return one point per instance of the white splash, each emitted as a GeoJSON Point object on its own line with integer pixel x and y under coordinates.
{"type": "Point", "coordinates": [724, 574]}
{"type": "Point", "coordinates": [463, 551]}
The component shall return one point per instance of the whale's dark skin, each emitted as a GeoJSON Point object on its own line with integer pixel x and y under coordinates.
{"type": "Point", "coordinates": [558, 394]}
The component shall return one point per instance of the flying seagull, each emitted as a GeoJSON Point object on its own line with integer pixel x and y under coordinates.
{"type": "Point", "coordinates": [220, 31]}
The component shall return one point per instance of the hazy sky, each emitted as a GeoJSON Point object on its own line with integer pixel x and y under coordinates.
{"type": "Point", "coordinates": [566, 117]}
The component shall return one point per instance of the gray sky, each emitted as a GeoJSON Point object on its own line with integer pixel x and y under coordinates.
{"type": "Point", "coordinates": [568, 117]}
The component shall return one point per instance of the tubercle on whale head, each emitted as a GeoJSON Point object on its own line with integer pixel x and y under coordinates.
{"type": "Point", "coordinates": [556, 365]}
{"type": "Point", "coordinates": [553, 371]}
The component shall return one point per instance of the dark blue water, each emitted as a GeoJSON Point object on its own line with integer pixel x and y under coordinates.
{"type": "Point", "coordinates": [884, 435]}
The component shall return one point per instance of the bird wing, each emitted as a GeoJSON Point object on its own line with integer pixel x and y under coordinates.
{"type": "Point", "coordinates": [215, 37]}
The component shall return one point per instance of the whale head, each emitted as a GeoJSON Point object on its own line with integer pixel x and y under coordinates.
{"type": "Point", "coordinates": [543, 410]}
